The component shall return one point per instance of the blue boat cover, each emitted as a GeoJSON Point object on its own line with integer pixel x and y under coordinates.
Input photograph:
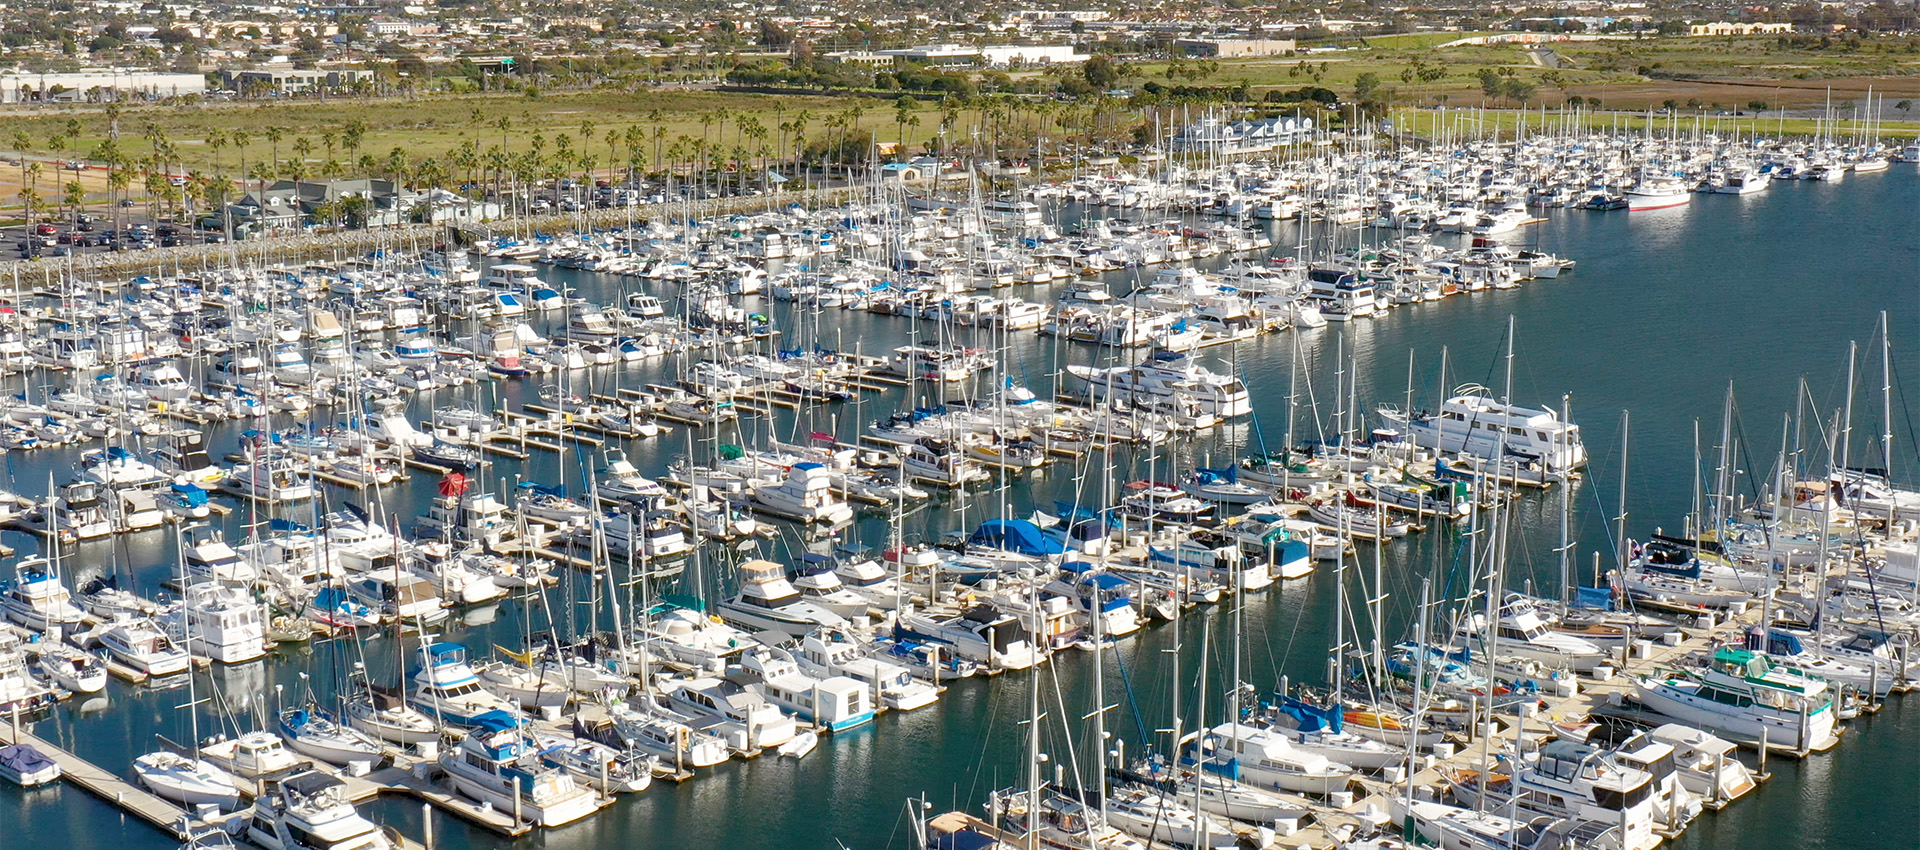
{"type": "Point", "coordinates": [1015, 535]}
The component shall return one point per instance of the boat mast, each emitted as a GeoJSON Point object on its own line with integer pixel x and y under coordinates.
{"type": "Point", "coordinates": [1565, 552]}
{"type": "Point", "coordinates": [1620, 519]}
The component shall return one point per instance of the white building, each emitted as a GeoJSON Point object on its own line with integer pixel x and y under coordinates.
{"type": "Point", "coordinates": [1002, 56]}
{"type": "Point", "coordinates": [97, 85]}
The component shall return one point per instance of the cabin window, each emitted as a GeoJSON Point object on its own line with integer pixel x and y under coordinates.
{"type": "Point", "coordinates": [1608, 798]}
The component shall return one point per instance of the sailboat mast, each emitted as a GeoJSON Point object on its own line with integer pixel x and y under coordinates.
{"type": "Point", "coordinates": [1565, 551]}
{"type": "Point", "coordinates": [1620, 520]}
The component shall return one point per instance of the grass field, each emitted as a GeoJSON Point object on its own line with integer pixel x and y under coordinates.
{"type": "Point", "coordinates": [433, 127]}
{"type": "Point", "coordinates": [1623, 74]}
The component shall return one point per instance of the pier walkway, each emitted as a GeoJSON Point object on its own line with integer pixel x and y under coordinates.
{"type": "Point", "coordinates": [120, 792]}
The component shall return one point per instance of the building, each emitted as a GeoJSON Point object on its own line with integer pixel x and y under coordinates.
{"type": "Point", "coordinates": [291, 80]}
{"type": "Point", "coordinates": [97, 86]}
{"type": "Point", "coordinates": [865, 58]}
{"type": "Point", "coordinates": [1004, 56]}
{"type": "Point", "coordinates": [1234, 48]}
{"type": "Point", "coordinates": [901, 172]}
{"type": "Point", "coordinates": [1727, 28]}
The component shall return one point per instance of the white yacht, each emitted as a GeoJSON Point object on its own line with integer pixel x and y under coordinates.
{"type": "Point", "coordinates": [746, 720]}
{"type": "Point", "coordinates": [206, 555]}
{"type": "Point", "coordinates": [1658, 192]}
{"type": "Point", "coordinates": [1739, 695]}
{"type": "Point", "coordinates": [1521, 633]}
{"type": "Point", "coordinates": [163, 382]}
{"type": "Point", "coordinates": [1569, 780]}
{"type": "Point", "coordinates": [385, 714]}
{"type": "Point", "coordinates": [310, 811]}
{"type": "Point", "coordinates": [219, 621]}
{"type": "Point", "coordinates": [405, 597]}
{"type": "Point", "coordinates": [270, 481]}
{"type": "Point", "coordinates": [653, 535]}
{"type": "Point", "coordinates": [1265, 758]}
{"type": "Point", "coordinates": [446, 688]}
{"type": "Point", "coordinates": [598, 766]}
{"type": "Point", "coordinates": [805, 494]}
{"type": "Point", "coordinates": [498, 764]}
{"type": "Point", "coordinates": [982, 634]}
{"type": "Point", "coordinates": [669, 740]}
{"type": "Point", "coordinates": [316, 734]}
{"type": "Point", "coordinates": [686, 638]}
{"type": "Point", "coordinates": [1157, 816]}
{"type": "Point", "coordinates": [186, 780]}
{"type": "Point", "coordinates": [827, 653]}
{"type": "Point", "coordinates": [37, 599]}
{"type": "Point", "coordinates": [767, 601]}
{"type": "Point", "coordinates": [69, 667]}
{"type": "Point", "coordinates": [1475, 423]}
{"type": "Point", "coordinates": [831, 702]}
{"type": "Point", "coordinates": [141, 644]}
{"type": "Point", "coordinates": [1165, 376]}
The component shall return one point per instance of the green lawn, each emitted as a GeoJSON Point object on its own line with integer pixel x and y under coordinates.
{"type": "Point", "coordinates": [432, 127]}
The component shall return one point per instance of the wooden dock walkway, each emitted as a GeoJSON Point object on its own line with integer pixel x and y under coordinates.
{"type": "Point", "coordinates": [123, 793]}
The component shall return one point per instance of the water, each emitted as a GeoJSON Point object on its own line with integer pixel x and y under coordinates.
{"type": "Point", "coordinates": [1663, 311]}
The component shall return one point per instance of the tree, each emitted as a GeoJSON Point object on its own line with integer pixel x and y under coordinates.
{"type": "Point", "coordinates": [902, 110]}
{"type": "Point", "coordinates": [274, 135]}
{"type": "Point", "coordinates": [1904, 105]}
{"type": "Point", "coordinates": [1100, 72]}
{"type": "Point", "coordinates": [1517, 89]}
{"type": "Point", "coordinates": [1490, 82]}
{"type": "Point", "coordinates": [772, 37]}
{"type": "Point", "coordinates": [76, 198]}
{"type": "Point", "coordinates": [1366, 86]}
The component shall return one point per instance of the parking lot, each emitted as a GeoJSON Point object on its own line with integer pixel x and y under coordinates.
{"type": "Point", "coordinates": [90, 233]}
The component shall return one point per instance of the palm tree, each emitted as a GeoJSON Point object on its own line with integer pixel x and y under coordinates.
{"type": "Point", "coordinates": [34, 171]}
{"type": "Point", "coordinates": [241, 139]}
{"type": "Point", "coordinates": [119, 180]}
{"type": "Point", "coordinates": [612, 138]}
{"type": "Point", "coordinates": [636, 139]}
{"type": "Point", "coordinates": [196, 185]}
{"type": "Point", "coordinates": [22, 144]}
{"type": "Point", "coordinates": [29, 201]}
{"type": "Point", "coordinates": [902, 110]}
{"type": "Point", "coordinates": [274, 135]}
{"type": "Point", "coordinates": [396, 164]}
{"type": "Point", "coordinates": [497, 161]}
{"type": "Point", "coordinates": [216, 140]}
{"type": "Point", "coordinates": [351, 137]}
{"type": "Point", "coordinates": [262, 172]}
{"type": "Point", "coordinates": [302, 147]}
{"type": "Point", "coordinates": [76, 198]}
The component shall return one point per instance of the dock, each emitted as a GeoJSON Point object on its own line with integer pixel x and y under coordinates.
{"type": "Point", "coordinates": [408, 776]}
{"type": "Point", "coordinates": [122, 793]}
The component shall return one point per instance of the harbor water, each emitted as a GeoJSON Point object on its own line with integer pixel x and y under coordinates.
{"type": "Point", "coordinates": [1665, 308]}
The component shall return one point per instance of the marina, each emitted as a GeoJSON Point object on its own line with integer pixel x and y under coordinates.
{"type": "Point", "coordinates": [1191, 486]}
